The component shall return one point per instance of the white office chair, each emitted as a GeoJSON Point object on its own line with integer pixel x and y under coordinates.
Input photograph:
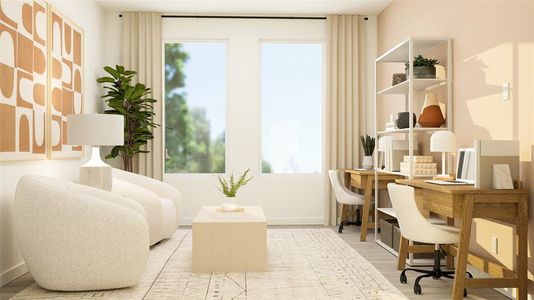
{"type": "Point", "coordinates": [415, 227]}
{"type": "Point", "coordinates": [344, 196]}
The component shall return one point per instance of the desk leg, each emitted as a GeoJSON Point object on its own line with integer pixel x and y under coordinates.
{"type": "Point", "coordinates": [463, 248]}
{"type": "Point", "coordinates": [403, 253]}
{"type": "Point", "coordinates": [366, 208]}
{"type": "Point", "coordinates": [522, 256]}
{"type": "Point", "coordinates": [450, 258]}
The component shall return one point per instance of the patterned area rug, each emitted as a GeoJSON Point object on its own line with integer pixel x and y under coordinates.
{"type": "Point", "coordinates": [304, 263]}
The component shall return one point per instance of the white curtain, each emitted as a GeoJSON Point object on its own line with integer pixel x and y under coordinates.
{"type": "Point", "coordinates": [345, 90]}
{"type": "Point", "coordinates": [141, 52]}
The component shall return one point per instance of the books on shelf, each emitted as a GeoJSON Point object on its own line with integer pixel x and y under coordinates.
{"type": "Point", "coordinates": [390, 126]}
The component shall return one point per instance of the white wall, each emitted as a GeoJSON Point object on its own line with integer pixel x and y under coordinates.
{"type": "Point", "coordinates": [91, 17]}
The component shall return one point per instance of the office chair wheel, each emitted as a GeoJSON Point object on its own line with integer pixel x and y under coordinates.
{"type": "Point", "coordinates": [417, 288]}
{"type": "Point", "coordinates": [403, 278]}
{"type": "Point", "coordinates": [469, 275]}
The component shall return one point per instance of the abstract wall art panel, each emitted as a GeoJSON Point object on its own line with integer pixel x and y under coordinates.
{"type": "Point", "coordinates": [23, 80]}
{"type": "Point", "coordinates": [66, 82]}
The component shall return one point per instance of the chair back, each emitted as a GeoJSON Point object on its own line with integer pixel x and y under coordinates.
{"type": "Point", "coordinates": [412, 223]}
{"type": "Point", "coordinates": [343, 194]}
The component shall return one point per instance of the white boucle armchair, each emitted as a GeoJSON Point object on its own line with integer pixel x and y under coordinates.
{"type": "Point", "coordinates": [160, 200]}
{"type": "Point", "coordinates": [77, 238]}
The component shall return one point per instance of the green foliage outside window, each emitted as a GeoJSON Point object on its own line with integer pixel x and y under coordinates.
{"type": "Point", "coordinates": [187, 129]}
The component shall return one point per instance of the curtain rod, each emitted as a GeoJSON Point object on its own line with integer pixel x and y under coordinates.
{"type": "Point", "coordinates": [244, 17]}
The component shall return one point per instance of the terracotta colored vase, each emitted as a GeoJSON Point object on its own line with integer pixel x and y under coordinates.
{"type": "Point", "coordinates": [431, 115]}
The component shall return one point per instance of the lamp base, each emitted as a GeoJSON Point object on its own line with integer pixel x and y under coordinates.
{"type": "Point", "coordinates": [95, 172]}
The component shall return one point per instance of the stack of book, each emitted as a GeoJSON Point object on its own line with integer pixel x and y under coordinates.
{"type": "Point", "coordinates": [422, 165]}
{"type": "Point", "coordinates": [390, 126]}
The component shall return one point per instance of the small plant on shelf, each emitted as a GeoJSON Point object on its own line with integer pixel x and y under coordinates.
{"type": "Point", "coordinates": [423, 67]}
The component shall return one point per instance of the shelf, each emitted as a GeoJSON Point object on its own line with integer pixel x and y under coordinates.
{"type": "Point", "coordinates": [415, 129]}
{"type": "Point", "coordinates": [388, 211]}
{"type": "Point", "coordinates": [405, 175]}
{"type": "Point", "coordinates": [418, 85]}
{"type": "Point", "coordinates": [421, 46]}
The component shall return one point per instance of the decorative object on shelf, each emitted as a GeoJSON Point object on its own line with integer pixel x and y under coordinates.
{"type": "Point", "coordinates": [441, 73]}
{"type": "Point", "coordinates": [422, 165]}
{"type": "Point", "coordinates": [422, 67]}
{"type": "Point", "coordinates": [230, 187]}
{"type": "Point", "coordinates": [398, 78]}
{"type": "Point", "coordinates": [134, 102]}
{"type": "Point", "coordinates": [443, 141]}
{"type": "Point", "coordinates": [368, 144]}
{"type": "Point", "coordinates": [403, 120]}
{"type": "Point", "coordinates": [95, 130]}
{"type": "Point", "coordinates": [431, 115]}
{"type": "Point", "coordinates": [502, 177]}
{"type": "Point", "coordinates": [383, 144]}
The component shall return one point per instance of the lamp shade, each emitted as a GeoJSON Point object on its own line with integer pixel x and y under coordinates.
{"type": "Point", "coordinates": [95, 129]}
{"type": "Point", "coordinates": [443, 141]}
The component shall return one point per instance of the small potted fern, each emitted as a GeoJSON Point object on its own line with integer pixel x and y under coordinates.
{"type": "Point", "coordinates": [229, 188]}
{"type": "Point", "coordinates": [423, 67]}
{"type": "Point", "coordinates": [368, 144]}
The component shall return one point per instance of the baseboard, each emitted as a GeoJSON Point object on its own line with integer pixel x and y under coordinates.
{"type": "Point", "coordinates": [276, 221]}
{"type": "Point", "coordinates": [13, 273]}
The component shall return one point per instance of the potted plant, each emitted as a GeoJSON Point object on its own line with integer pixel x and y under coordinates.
{"type": "Point", "coordinates": [368, 144]}
{"type": "Point", "coordinates": [422, 67]}
{"type": "Point", "coordinates": [134, 102]}
{"type": "Point", "coordinates": [229, 188]}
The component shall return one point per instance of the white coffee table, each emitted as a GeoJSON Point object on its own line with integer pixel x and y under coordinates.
{"type": "Point", "coordinates": [230, 241]}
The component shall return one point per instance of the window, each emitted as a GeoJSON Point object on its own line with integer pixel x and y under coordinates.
{"type": "Point", "coordinates": [292, 102]}
{"type": "Point", "coordinates": [195, 96]}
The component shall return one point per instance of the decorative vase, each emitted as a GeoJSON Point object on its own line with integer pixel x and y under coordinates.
{"type": "Point", "coordinates": [431, 115]}
{"type": "Point", "coordinates": [368, 162]}
{"type": "Point", "coordinates": [230, 204]}
{"type": "Point", "coordinates": [403, 120]}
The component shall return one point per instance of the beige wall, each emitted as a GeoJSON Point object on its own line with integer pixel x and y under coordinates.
{"type": "Point", "coordinates": [493, 43]}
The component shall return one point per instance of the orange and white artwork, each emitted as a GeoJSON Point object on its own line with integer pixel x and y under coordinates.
{"type": "Point", "coordinates": [23, 80]}
{"type": "Point", "coordinates": [66, 82]}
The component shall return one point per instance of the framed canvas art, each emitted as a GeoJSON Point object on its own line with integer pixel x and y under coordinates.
{"type": "Point", "coordinates": [66, 82]}
{"type": "Point", "coordinates": [23, 84]}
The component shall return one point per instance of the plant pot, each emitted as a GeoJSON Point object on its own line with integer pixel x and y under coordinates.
{"type": "Point", "coordinates": [403, 120]}
{"type": "Point", "coordinates": [431, 115]}
{"type": "Point", "coordinates": [422, 72]}
{"type": "Point", "coordinates": [368, 162]}
{"type": "Point", "coordinates": [230, 204]}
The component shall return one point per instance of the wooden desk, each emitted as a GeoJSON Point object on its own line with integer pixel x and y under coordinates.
{"type": "Point", "coordinates": [364, 180]}
{"type": "Point", "coordinates": [466, 203]}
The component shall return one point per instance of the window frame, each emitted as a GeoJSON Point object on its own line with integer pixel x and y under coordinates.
{"type": "Point", "coordinates": [260, 105]}
{"type": "Point", "coordinates": [226, 96]}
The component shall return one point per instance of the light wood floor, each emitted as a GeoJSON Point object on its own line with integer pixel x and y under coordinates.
{"type": "Point", "coordinates": [376, 255]}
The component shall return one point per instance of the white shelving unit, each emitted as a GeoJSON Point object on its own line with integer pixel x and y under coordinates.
{"type": "Point", "coordinates": [405, 53]}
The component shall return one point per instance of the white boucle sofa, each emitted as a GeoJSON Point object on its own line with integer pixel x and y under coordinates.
{"type": "Point", "coordinates": [76, 238]}
{"type": "Point", "coordinates": [161, 202]}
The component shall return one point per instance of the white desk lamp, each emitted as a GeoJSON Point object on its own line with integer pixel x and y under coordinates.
{"type": "Point", "coordinates": [95, 130]}
{"type": "Point", "coordinates": [443, 141]}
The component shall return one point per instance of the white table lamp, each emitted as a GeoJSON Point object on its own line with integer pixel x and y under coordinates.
{"type": "Point", "coordinates": [443, 141]}
{"type": "Point", "coordinates": [95, 130]}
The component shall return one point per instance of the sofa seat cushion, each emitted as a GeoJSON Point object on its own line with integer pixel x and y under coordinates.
{"type": "Point", "coordinates": [148, 200]}
{"type": "Point", "coordinates": [168, 217]}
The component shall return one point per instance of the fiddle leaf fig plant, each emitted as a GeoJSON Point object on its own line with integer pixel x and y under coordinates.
{"type": "Point", "coordinates": [135, 103]}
